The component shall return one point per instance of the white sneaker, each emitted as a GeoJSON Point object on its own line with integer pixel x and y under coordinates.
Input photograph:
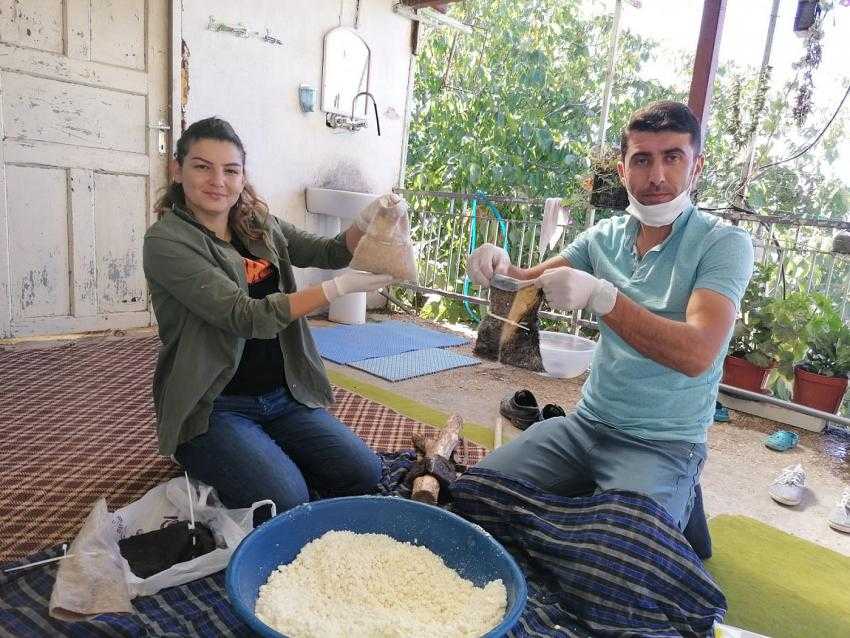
{"type": "Point", "coordinates": [789, 486]}
{"type": "Point", "coordinates": [839, 519]}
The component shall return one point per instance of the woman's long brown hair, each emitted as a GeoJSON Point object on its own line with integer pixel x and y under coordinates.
{"type": "Point", "coordinates": [249, 214]}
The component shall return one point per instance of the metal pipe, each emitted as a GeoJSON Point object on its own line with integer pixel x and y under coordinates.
{"type": "Point", "coordinates": [606, 93]}
{"type": "Point", "coordinates": [538, 201]}
{"type": "Point", "coordinates": [796, 407]}
{"type": "Point", "coordinates": [521, 243]}
{"type": "Point", "coordinates": [609, 74]}
{"type": "Point", "coordinates": [829, 277]}
{"type": "Point", "coordinates": [438, 244]}
{"type": "Point", "coordinates": [479, 301]}
{"type": "Point", "coordinates": [451, 281]}
{"type": "Point", "coordinates": [765, 61]}
{"type": "Point", "coordinates": [374, 103]}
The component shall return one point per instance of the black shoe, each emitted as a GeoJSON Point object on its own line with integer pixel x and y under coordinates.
{"type": "Point", "coordinates": [551, 410]}
{"type": "Point", "coordinates": [520, 409]}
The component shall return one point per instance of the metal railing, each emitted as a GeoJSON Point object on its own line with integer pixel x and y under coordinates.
{"type": "Point", "coordinates": [441, 222]}
{"type": "Point", "coordinates": [441, 225]}
{"type": "Point", "coordinates": [803, 250]}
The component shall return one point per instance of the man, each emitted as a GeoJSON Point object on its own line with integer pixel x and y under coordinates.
{"type": "Point", "coordinates": [665, 282]}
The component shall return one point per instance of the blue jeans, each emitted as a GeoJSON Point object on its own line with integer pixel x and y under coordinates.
{"type": "Point", "coordinates": [572, 455]}
{"type": "Point", "coordinates": [273, 447]}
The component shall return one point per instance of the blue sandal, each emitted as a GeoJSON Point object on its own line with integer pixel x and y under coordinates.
{"type": "Point", "coordinates": [781, 440]}
{"type": "Point", "coordinates": [721, 413]}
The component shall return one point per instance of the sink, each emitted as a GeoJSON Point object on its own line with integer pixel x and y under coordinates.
{"type": "Point", "coordinates": [337, 203]}
{"type": "Point", "coordinates": [330, 211]}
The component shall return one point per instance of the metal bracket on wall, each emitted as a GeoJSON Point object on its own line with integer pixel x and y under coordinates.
{"type": "Point", "coordinates": [241, 31]}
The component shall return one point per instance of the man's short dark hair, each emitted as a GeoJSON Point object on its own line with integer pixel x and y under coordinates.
{"type": "Point", "coordinates": [666, 115]}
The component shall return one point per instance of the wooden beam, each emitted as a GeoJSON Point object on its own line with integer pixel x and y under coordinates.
{"type": "Point", "coordinates": [705, 60]}
{"type": "Point", "coordinates": [439, 5]}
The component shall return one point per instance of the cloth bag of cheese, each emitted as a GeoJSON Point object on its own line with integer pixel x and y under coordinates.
{"type": "Point", "coordinates": [386, 248]}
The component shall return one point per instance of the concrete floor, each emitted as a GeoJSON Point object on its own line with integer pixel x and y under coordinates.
{"type": "Point", "coordinates": [739, 468]}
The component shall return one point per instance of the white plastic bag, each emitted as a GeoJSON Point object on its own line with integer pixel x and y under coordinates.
{"type": "Point", "coordinates": [163, 505]}
{"type": "Point", "coordinates": [386, 248]}
{"type": "Point", "coordinates": [168, 503]}
{"type": "Point", "coordinates": [90, 580]}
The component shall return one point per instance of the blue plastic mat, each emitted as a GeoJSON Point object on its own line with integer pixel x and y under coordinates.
{"type": "Point", "coordinates": [414, 364]}
{"type": "Point", "coordinates": [345, 344]}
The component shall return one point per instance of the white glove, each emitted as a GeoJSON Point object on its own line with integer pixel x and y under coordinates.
{"type": "Point", "coordinates": [571, 289]}
{"type": "Point", "coordinates": [365, 216]}
{"type": "Point", "coordinates": [486, 261]}
{"type": "Point", "coordinates": [354, 281]}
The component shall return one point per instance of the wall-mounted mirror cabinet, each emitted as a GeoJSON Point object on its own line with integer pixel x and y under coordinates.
{"type": "Point", "coordinates": [345, 72]}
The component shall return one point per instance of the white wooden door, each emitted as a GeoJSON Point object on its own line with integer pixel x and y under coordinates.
{"type": "Point", "coordinates": [81, 84]}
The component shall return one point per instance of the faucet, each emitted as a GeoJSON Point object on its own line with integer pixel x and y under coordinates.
{"type": "Point", "coordinates": [374, 103]}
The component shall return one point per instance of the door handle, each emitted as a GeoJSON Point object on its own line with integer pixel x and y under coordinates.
{"type": "Point", "coordinates": [162, 128]}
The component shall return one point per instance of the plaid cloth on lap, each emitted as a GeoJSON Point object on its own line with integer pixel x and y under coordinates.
{"type": "Point", "coordinates": [611, 564]}
{"type": "Point", "coordinates": [607, 565]}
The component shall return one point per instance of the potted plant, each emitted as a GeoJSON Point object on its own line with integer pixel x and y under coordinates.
{"type": "Point", "coordinates": [790, 321]}
{"type": "Point", "coordinates": [606, 189]}
{"type": "Point", "coordinates": [820, 380]}
{"type": "Point", "coordinates": [752, 352]}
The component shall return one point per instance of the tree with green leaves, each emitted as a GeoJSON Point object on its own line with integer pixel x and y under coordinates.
{"type": "Point", "coordinates": [513, 109]}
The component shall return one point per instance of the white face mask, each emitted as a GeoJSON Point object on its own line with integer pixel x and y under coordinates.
{"type": "Point", "coordinates": [661, 214]}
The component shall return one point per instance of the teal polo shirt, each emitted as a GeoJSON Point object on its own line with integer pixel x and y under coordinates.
{"type": "Point", "coordinates": [625, 389]}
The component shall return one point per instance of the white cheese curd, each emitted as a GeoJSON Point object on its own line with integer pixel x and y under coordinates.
{"type": "Point", "coordinates": [372, 586]}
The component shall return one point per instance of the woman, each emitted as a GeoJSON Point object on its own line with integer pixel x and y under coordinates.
{"type": "Point", "coordinates": [239, 387]}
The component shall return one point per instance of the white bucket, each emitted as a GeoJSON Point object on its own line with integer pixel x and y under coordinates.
{"type": "Point", "coordinates": [308, 278]}
{"type": "Point", "coordinates": [350, 308]}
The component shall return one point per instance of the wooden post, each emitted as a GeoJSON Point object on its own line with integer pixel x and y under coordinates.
{"type": "Point", "coordinates": [705, 61]}
{"type": "Point", "coordinates": [426, 488]}
{"type": "Point", "coordinates": [497, 432]}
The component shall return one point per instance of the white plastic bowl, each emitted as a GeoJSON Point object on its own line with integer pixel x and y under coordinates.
{"type": "Point", "coordinates": [565, 355]}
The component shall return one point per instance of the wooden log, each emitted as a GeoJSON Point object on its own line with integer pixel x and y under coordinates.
{"type": "Point", "coordinates": [426, 488]}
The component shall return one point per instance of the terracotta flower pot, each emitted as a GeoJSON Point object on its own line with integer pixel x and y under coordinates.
{"type": "Point", "coordinates": [742, 374]}
{"type": "Point", "coordinates": [818, 391]}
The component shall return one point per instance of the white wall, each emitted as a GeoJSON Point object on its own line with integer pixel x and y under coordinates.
{"type": "Point", "coordinates": [254, 85]}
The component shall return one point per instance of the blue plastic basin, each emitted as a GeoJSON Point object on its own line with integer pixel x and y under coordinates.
{"type": "Point", "coordinates": [464, 547]}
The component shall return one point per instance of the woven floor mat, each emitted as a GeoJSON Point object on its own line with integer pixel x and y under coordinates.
{"type": "Point", "coordinates": [77, 423]}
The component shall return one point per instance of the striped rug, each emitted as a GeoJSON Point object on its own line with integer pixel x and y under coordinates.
{"type": "Point", "coordinates": [77, 423]}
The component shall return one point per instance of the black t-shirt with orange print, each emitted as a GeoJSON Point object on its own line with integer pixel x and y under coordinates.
{"type": "Point", "coordinates": [261, 367]}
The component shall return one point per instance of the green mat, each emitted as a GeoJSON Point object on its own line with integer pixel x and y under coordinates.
{"type": "Point", "coordinates": [474, 432]}
{"type": "Point", "coordinates": [777, 584]}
